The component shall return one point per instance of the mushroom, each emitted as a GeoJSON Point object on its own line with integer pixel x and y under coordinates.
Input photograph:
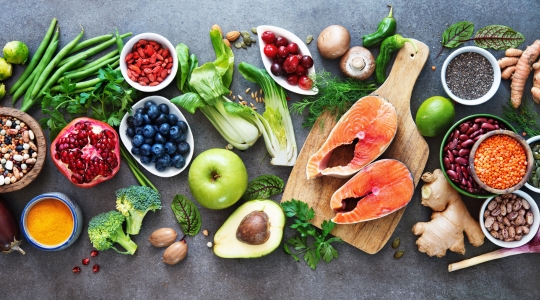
{"type": "Point", "coordinates": [358, 63]}
{"type": "Point", "coordinates": [333, 41]}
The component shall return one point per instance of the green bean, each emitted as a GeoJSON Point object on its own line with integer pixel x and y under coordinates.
{"type": "Point", "coordinates": [90, 42]}
{"type": "Point", "coordinates": [53, 63]}
{"type": "Point", "coordinates": [119, 42]}
{"type": "Point", "coordinates": [91, 70]}
{"type": "Point", "coordinates": [79, 85]}
{"type": "Point", "coordinates": [96, 49]}
{"type": "Point", "coordinates": [61, 71]}
{"type": "Point", "coordinates": [95, 62]}
{"type": "Point", "coordinates": [35, 58]}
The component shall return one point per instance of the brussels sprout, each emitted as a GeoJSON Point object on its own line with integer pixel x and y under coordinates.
{"type": "Point", "coordinates": [16, 52]}
{"type": "Point", "coordinates": [2, 90]}
{"type": "Point", "coordinates": [5, 69]}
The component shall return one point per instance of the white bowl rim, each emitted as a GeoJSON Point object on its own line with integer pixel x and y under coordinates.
{"type": "Point", "coordinates": [526, 238]}
{"type": "Point", "coordinates": [170, 171]}
{"type": "Point", "coordinates": [496, 75]}
{"type": "Point", "coordinates": [164, 42]}
{"type": "Point", "coordinates": [530, 141]}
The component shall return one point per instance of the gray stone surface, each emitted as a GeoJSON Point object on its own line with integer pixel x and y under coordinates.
{"type": "Point", "coordinates": [355, 274]}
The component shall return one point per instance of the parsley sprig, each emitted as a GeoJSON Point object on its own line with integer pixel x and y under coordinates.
{"type": "Point", "coordinates": [321, 247]}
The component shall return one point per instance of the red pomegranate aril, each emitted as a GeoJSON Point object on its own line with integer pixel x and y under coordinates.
{"type": "Point", "coordinates": [290, 64]}
{"type": "Point", "coordinates": [281, 41]}
{"type": "Point", "coordinates": [300, 71]}
{"type": "Point", "coordinates": [94, 253]}
{"type": "Point", "coordinates": [76, 270]}
{"type": "Point", "coordinates": [293, 48]}
{"type": "Point", "coordinates": [292, 79]}
{"type": "Point", "coordinates": [307, 61]}
{"type": "Point", "coordinates": [270, 50]}
{"type": "Point", "coordinates": [95, 268]}
{"type": "Point", "coordinates": [86, 261]}
{"type": "Point", "coordinates": [268, 37]}
{"type": "Point", "coordinates": [305, 83]}
{"type": "Point", "coordinates": [283, 52]}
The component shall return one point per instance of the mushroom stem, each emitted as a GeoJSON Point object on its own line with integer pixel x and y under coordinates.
{"type": "Point", "coordinates": [358, 63]}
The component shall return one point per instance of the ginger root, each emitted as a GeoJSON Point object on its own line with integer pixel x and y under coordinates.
{"type": "Point", "coordinates": [449, 219]}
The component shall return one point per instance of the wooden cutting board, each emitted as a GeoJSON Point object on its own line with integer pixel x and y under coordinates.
{"type": "Point", "coordinates": [408, 147]}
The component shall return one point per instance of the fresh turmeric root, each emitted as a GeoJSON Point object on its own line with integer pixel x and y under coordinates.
{"type": "Point", "coordinates": [523, 69]}
{"type": "Point", "coordinates": [535, 90]}
{"type": "Point", "coordinates": [449, 219]}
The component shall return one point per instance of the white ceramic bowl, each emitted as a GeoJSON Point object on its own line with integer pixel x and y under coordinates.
{"type": "Point", "coordinates": [496, 75]}
{"type": "Point", "coordinates": [530, 141]}
{"type": "Point", "coordinates": [75, 212]}
{"type": "Point", "coordinates": [268, 62]}
{"type": "Point", "coordinates": [526, 238]}
{"type": "Point", "coordinates": [164, 43]}
{"type": "Point", "coordinates": [169, 171]}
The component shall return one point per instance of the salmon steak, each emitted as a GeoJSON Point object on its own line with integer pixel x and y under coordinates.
{"type": "Point", "coordinates": [377, 190]}
{"type": "Point", "coordinates": [371, 123]}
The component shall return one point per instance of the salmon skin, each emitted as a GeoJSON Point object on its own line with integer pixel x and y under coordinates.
{"type": "Point", "coordinates": [380, 189]}
{"type": "Point", "coordinates": [372, 121]}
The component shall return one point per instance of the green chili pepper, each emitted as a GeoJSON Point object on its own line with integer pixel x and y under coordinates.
{"type": "Point", "coordinates": [386, 28]}
{"type": "Point", "coordinates": [388, 46]}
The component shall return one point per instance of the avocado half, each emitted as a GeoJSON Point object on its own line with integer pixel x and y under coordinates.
{"type": "Point", "coordinates": [226, 243]}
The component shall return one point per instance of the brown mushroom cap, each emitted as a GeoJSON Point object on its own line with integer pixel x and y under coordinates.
{"type": "Point", "coordinates": [357, 63]}
{"type": "Point", "coordinates": [333, 41]}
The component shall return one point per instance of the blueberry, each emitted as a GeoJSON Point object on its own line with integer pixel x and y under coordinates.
{"type": "Point", "coordinates": [137, 140]}
{"type": "Point", "coordinates": [140, 110]}
{"type": "Point", "coordinates": [139, 130]}
{"type": "Point", "coordinates": [178, 161]}
{"type": "Point", "coordinates": [149, 131]}
{"type": "Point", "coordinates": [165, 159]}
{"type": "Point", "coordinates": [182, 137]}
{"type": "Point", "coordinates": [149, 103]}
{"type": "Point", "coordinates": [145, 149]}
{"type": "Point", "coordinates": [164, 108]}
{"type": "Point", "coordinates": [130, 132]}
{"type": "Point", "coordinates": [149, 141]}
{"type": "Point", "coordinates": [153, 112]}
{"type": "Point", "coordinates": [138, 119]}
{"type": "Point", "coordinates": [130, 121]}
{"type": "Point", "coordinates": [158, 150]}
{"type": "Point", "coordinates": [183, 125]}
{"type": "Point", "coordinates": [160, 166]}
{"type": "Point", "coordinates": [162, 119]}
{"type": "Point", "coordinates": [182, 148]}
{"type": "Point", "coordinates": [173, 119]}
{"type": "Point", "coordinates": [153, 158]}
{"type": "Point", "coordinates": [170, 148]}
{"type": "Point", "coordinates": [146, 119]}
{"type": "Point", "coordinates": [145, 159]}
{"type": "Point", "coordinates": [175, 132]}
{"type": "Point", "coordinates": [135, 151]}
{"type": "Point", "coordinates": [159, 138]}
{"type": "Point", "coordinates": [164, 129]}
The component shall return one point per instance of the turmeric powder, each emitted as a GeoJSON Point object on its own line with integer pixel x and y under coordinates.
{"type": "Point", "coordinates": [50, 222]}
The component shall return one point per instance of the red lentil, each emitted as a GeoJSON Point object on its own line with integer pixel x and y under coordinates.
{"type": "Point", "coordinates": [500, 162]}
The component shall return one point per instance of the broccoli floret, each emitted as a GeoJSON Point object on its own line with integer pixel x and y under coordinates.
{"type": "Point", "coordinates": [134, 202]}
{"type": "Point", "coordinates": [106, 229]}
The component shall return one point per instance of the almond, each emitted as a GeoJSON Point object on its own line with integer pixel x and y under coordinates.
{"type": "Point", "coordinates": [226, 41]}
{"type": "Point", "coordinates": [232, 36]}
{"type": "Point", "coordinates": [216, 27]}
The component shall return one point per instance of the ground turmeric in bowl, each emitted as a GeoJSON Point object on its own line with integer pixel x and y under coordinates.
{"type": "Point", "coordinates": [50, 222]}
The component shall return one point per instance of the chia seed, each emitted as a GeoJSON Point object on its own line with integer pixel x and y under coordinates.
{"type": "Point", "coordinates": [469, 75]}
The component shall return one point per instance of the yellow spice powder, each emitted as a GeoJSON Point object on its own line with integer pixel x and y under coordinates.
{"type": "Point", "coordinates": [50, 222]}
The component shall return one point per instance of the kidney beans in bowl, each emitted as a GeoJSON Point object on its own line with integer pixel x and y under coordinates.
{"type": "Point", "coordinates": [455, 149]}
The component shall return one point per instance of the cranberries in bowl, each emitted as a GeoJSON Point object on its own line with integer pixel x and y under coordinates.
{"type": "Point", "coordinates": [148, 62]}
{"type": "Point", "coordinates": [287, 59]}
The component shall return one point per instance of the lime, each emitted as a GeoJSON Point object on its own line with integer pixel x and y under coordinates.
{"type": "Point", "coordinates": [5, 69]}
{"type": "Point", "coordinates": [16, 52]}
{"type": "Point", "coordinates": [435, 116]}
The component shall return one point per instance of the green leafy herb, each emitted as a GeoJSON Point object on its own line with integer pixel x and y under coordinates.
{"type": "Point", "coordinates": [187, 214]}
{"type": "Point", "coordinates": [456, 35]}
{"type": "Point", "coordinates": [335, 95]}
{"type": "Point", "coordinates": [498, 37]}
{"type": "Point", "coordinates": [524, 117]}
{"type": "Point", "coordinates": [263, 187]}
{"type": "Point", "coordinates": [321, 247]}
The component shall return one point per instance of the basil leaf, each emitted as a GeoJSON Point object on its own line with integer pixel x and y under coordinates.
{"type": "Point", "coordinates": [498, 37]}
{"type": "Point", "coordinates": [187, 214]}
{"type": "Point", "coordinates": [263, 187]}
{"type": "Point", "coordinates": [457, 34]}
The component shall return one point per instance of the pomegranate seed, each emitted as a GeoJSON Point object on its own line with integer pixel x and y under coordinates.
{"type": "Point", "coordinates": [94, 253]}
{"type": "Point", "coordinates": [95, 268]}
{"type": "Point", "coordinates": [86, 261]}
{"type": "Point", "coordinates": [76, 270]}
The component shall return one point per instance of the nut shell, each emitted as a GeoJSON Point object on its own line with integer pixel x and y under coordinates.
{"type": "Point", "coordinates": [232, 36]}
{"type": "Point", "coordinates": [162, 237]}
{"type": "Point", "coordinates": [175, 253]}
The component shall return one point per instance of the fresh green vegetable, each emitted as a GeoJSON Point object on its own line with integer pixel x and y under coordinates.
{"type": "Point", "coordinates": [16, 52]}
{"type": "Point", "coordinates": [96, 49]}
{"type": "Point", "coordinates": [90, 42]}
{"type": "Point", "coordinates": [2, 90]}
{"type": "Point", "coordinates": [6, 69]}
{"type": "Point", "coordinates": [336, 96]}
{"type": "Point", "coordinates": [498, 37]}
{"type": "Point", "coordinates": [55, 76]}
{"type": "Point", "coordinates": [388, 46]}
{"type": "Point", "coordinates": [187, 214]}
{"type": "Point", "coordinates": [386, 28]}
{"type": "Point", "coordinates": [35, 58]}
{"type": "Point", "coordinates": [87, 71]}
{"type": "Point", "coordinates": [524, 117]}
{"type": "Point", "coordinates": [96, 62]}
{"type": "Point", "coordinates": [105, 229]}
{"type": "Point", "coordinates": [263, 187]}
{"type": "Point", "coordinates": [119, 41]}
{"type": "Point", "coordinates": [134, 203]}
{"type": "Point", "coordinates": [321, 247]}
{"type": "Point", "coordinates": [134, 167]}
{"type": "Point", "coordinates": [182, 52]}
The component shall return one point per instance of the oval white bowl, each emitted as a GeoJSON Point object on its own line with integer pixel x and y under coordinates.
{"type": "Point", "coordinates": [268, 62]}
{"type": "Point", "coordinates": [529, 186]}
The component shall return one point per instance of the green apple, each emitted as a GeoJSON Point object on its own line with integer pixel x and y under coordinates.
{"type": "Point", "coordinates": [217, 178]}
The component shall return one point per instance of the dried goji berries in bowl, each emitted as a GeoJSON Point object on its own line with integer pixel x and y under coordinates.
{"type": "Point", "coordinates": [148, 62]}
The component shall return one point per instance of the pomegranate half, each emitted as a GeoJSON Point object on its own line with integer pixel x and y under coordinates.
{"type": "Point", "coordinates": [87, 152]}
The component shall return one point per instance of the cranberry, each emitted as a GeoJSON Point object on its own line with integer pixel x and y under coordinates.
{"type": "Point", "coordinates": [279, 60]}
{"type": "Point", "coordinates": [76, 270]}
{"type": "Point", "coordinates": [94, 253]}
{"type": "Point", "coordinates": [290, 64]}
{"type": "Point", "coordinates": [293, 48]}
{"type": "Point", "coordinates": [281, 41]}
{"type": "Point", "coordinates": [268, 37]}
{"type": "Point", "coordinates": [305, 83]}
{"type": "Point", "coordinates": [300, 71]}
{"type": "Point", "coordinates": [292, 79]}
{"type": "Point", "coordinates": [307, 61]}
{"type": "Point", "coordinates": [270, 50]}
{"type": "Point", "coordinates": [276, 69]}
{"type": "Point", "coordinates": [283, 52]}
{"type": "Point", "coordinates": [86, 261]}
{"type": "Point", "coordinates": [95, 268]}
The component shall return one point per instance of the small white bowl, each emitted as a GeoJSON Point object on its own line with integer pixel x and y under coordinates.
{"type": "Point", "coordinates": [527, 184]}
{"type": "Point", "coordinates": [496, 75]}
{"type": "Point", "coordinates": [268, 62]}
{"type": "Point", "coordinates": [75, 213]}
{"type": "Point", "coordinates": [169, 171]}
{"type": "Point", "coordinates": [526, 238]}
{"type": "Point", "coordinates": [164, 43]}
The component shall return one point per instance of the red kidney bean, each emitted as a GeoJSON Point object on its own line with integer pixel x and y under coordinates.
{"type": "Point", "coordinates": [464, 152]}
{"type": "Point", "coordinates": [480, 120]}
{"type": "Point", "coordinates": [462, 161]}
{"type": "Point", "coordinates": [490, 121]}
{"type": "Point", "coordinates": [464, 171]}
{"type": "Point", "coordinates": [463, 137]}
{"type": "Point", "coordinates": [464, 127]}
{"type": "Point", "coordinates": [446, 162]}
{"type": "Point", "coordinates": [475, 134]}
{"type": "Point", "coordinates": [467, 143]}
{"type": "Point", "coordinates": [458, 171]}
{"type": "Point", "coordinates": [452, 174]}
{"type": "Point", "coordinates": [456, 134]}
{"type": "Point", "coordinates": [470, 131]}
{"type": "Point", "coordinates": [455, 152]}
{"type": "Point", "coordinates": [452, 145]}
{"type": "Point", "coordinates": [488, 126]}
{"type": "Point", "coordinates": [450, 156]}
{"type": "Point", "coordinates": [464, 182]}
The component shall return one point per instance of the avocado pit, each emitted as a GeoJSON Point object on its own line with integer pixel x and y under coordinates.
{"type": "Point", "coordinates": [254, 229]}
